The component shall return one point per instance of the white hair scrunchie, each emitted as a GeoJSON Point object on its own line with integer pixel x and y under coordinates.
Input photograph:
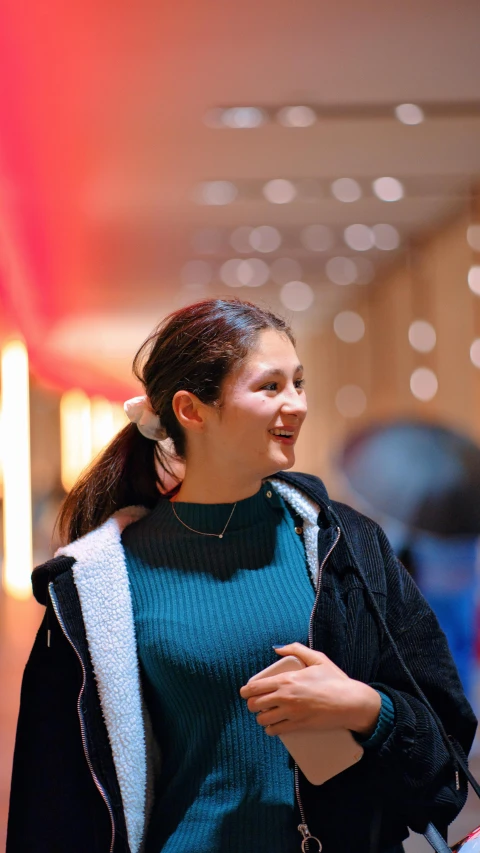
{"type": "Point", "coordinates": [139, 411]}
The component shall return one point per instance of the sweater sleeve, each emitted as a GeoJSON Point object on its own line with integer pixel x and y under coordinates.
{"type": "Point", "coordinates": [384, 727]}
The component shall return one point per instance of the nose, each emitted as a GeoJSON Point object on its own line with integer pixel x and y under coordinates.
{"type": "Point", "coordinates": [294, 403]}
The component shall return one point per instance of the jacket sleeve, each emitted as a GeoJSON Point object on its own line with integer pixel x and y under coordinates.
{"type": "Point", "coordinates": [416, 766]}
{"type": "Point", "coordinates": [52, 792]}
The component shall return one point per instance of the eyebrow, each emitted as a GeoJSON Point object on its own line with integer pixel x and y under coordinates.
{"type": "Point", "coordinates": [275, 371]}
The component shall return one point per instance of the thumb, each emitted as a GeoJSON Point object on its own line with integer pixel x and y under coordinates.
{"type": "Point", "coordinates": [308, 656]}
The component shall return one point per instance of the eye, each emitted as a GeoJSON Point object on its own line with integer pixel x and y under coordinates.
{"type": "Point", "coordinates": [272, 386]}
{"type": "Point", "coordinates": [300, 383]}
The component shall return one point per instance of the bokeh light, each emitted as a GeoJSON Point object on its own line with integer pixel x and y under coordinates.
{"type": "Point", "coordinates": [386, 237]}
{"type": "Point", "coordinates": [423, 384]}
{"type": "Point", "coordinates": [351, 401]}
{"type": "Point", "coordinates": [243, 117]}
{"type": "Point", "coordinates": [240, 239]}
{"type": "Point", "coordinates": [349, 327]}
{"type": "Point", "coordinates": [279, 191]}
{"type": "Point", "coordinates": [297, 295]}
{"type": "Point", "coordinates": [265, 238]}
{"type": "Point", "coordinates": [346, 190]}
{"type": "Point", "coordinates": [475, 353]}
{"type": "Point", "coordinates": [422, 336]}
{"type": "Point", "coordinates": [388, 189]}
{"type": "Point", "coordinates": [409, 114]}
{"type": "Point", "coordinates": [296, 116]}
{"type": "Point", "coordinates": [473, 237]}
{"type": "Point", "coordinates": [474, 279]}
{"type": "Point", "coordinates": [341, 270]}
{"type": "Point", "coordinates": [216, 193]}
{"type": "Point", "coordinates": [359, 237]}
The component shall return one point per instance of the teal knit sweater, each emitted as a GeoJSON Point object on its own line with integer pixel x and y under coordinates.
{"type": "Point", "coordinates": [207, 612]}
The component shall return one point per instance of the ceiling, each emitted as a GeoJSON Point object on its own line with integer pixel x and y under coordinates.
{"type": "Point", "coordinates": [103, 145]}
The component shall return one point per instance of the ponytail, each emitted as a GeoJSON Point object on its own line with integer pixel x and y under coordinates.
{"type": "Point", "coordinates": [124, 474]}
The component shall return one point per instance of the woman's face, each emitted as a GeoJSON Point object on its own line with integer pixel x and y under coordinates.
{"type": "Point", "coordinates": [263, 408]}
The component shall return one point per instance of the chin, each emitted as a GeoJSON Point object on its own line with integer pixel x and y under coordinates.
{"type": "Point", "coordinates": [281, 462]}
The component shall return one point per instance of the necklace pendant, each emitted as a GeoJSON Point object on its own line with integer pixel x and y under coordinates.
{"type": "Point", "coordinates": [220, 535]}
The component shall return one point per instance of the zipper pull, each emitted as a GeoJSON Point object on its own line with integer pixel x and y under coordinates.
{"type": "Point", "coordinates": [305, 832]}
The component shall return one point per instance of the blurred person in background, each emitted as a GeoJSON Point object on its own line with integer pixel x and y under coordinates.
{"type": "Point", "coordinates": [138, 727]}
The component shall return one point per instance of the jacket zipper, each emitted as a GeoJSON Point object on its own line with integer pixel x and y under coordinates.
{"type": "Point", "coordinates": [98, 784]}
{"type": "Point", "coordinates": [302, 827]}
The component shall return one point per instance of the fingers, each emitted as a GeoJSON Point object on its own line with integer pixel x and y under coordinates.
{"type": "Point", "coordinates": [257, 704]}
{"type": "Point", "coordinates": [281, 728]}
{"type": "Point", "coordinates": [308, 656]}
{"type": "Point", "coordinates": [257, 688]}
{"type": "Point", "coordinates": [271, 717]}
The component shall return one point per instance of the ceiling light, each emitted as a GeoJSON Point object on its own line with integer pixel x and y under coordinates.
{"type": "Point", "coordinates": [423, 384]}
{"type": "Point", "coordinates": [317, 238]}
{"type": "Point", "coordinates": [474, 279]}
{"type": "Point", "coordinates": [409, 114]}
{"type": "Point", "coordinates": [358, 237]}
{"type": "Point", "coordinates": [346, 189]}
{"type": "Point", "coordinates": [216, 192]}
{"type": "Point", "coordinates": [196, 272]}
{"type": "Point", "coordinates": [228, 272]}
{"type": "Point", "coordinates": [243, 117]}
{"type": "Point", "coordinates": [253, 272]}
{"type": "Point", "coordinates": [238, 272]}
{"type": "Point", "coordinates": [240, 239]}
{"type": "Point", "coordinates": [283, 270]}
{"type": "Point", "coordinates": [386, 237]}
{"type": "Point", "coordinates": [351, 401]}
{"type": "Point", "coordinates": [265, 238]}
{"type": "Point", "coordinates": [473, 237]}
{"type": "Point", "coordinates": [475, 352]}
{"type": "Point", "coordinates": [296, 116]}
{"type": "Point", "coordinates": [388, 189]}
{"type": "Point", "coordinates": [349, 327]}
{"type": "Point", "coordinates": [422, 336]}
{"type": "Point", "coordinates": [341, 270]}
{"type": "Point", "coordinates": [279, 191]}
{"type": "Point", "coordinates": [297, 295]}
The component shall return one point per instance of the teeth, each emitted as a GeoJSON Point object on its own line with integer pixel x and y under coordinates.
{"type": "Point", "coordinates": [281, 432]}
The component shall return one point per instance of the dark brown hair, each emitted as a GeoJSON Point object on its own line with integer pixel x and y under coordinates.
{"type": "Point", "coordinates": [193, 349]}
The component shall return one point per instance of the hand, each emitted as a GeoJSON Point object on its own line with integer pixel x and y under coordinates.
{"type": "Point", "coordinates": [321, 696]}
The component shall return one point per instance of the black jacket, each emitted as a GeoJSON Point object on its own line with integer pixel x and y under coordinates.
{"type": "Point", "coordinates": [66, 796]}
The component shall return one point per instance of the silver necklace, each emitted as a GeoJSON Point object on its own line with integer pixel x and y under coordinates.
{"type": "Point", "coordinates": [200, 532]}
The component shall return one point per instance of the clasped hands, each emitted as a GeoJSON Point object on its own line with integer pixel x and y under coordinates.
{"type": "Point", "coordinates": [320, 696]}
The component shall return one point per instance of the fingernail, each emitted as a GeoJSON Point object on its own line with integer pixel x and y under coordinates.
{"type": "Point", "coordinates": [279, 647]}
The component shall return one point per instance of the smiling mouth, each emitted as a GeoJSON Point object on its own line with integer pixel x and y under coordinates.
{"type": "Point", "coordinates": [282, 433]}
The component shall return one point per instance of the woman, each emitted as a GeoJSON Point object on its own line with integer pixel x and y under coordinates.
{"type": "Point", "coordinates": [139, 729]}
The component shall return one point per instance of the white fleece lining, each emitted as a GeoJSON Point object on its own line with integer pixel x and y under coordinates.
{"type": "Point", "coordinates": [308, 510]}
{"type": "Point", "coordinates": [101, 577]}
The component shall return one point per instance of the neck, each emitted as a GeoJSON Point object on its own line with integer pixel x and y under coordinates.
{"type": "Point", "coordinates": [207, 488]}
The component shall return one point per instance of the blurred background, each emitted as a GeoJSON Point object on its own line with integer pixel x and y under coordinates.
{"type": "Point", "coordinates": [322, 159]}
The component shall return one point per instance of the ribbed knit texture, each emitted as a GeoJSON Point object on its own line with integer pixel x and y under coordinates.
{"type": "Point", "coordinates": [207, 612]}
{"type": "Point", "coordinates": [384, 727]}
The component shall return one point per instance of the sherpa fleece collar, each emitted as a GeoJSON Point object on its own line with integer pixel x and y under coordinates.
{"type": "Point", "coordinates": [101, 577]}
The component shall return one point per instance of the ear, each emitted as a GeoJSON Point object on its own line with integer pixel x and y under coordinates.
{"type": "Point", "coordinates": [189, 411]}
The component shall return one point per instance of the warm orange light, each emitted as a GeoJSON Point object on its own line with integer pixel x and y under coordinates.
{"type": "Point", "coordinates": [75, 435]}
{"type": "Point", "coordinates": [17, 497]}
